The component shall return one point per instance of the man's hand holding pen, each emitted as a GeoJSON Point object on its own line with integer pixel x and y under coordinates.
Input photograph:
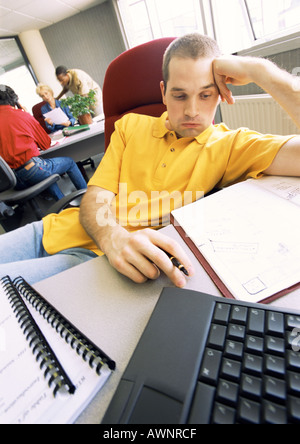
{"type": "Point", "coordinates": [139, 255]}
{"type": "Point", "coordinates": [142, 255]}
{"type": "Point", "coordinates": [176, 263]}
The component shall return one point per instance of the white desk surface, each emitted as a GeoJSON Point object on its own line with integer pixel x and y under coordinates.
{"type": "Point", "coordinates": [96, 131]}
{"type": "Point", "coordinates": [113, 311]}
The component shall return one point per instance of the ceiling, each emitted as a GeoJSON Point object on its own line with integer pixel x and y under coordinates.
{"type": "Point", "coordinates": [17, 16]}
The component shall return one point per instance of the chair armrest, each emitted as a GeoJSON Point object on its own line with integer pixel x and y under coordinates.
{"type": "Point", "coordinates": [65, 201]}
{"type": "Point", "coordinates": [19, 196]}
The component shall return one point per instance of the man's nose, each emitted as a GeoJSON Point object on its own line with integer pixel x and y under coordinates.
{"type": "Point", "coordinates": [192, 108]}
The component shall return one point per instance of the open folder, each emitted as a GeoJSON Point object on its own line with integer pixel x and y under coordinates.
{"type": "Point", "coordinates": [247, 237]}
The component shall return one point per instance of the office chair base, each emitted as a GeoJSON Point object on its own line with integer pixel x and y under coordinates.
{"type": "Point", "coordinates": [13, 221]}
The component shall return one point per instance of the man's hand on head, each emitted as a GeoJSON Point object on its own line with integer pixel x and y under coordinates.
{"type": "Point", "coordinates": [232, 70]}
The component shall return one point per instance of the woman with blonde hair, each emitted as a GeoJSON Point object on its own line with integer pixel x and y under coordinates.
{"type": "Point", "coordinates": [46, 93]}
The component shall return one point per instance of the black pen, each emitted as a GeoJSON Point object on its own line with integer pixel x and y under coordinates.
{"type": "Point", "coordinates": [176, 263]}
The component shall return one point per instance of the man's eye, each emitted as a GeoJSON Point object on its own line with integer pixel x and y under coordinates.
{"type": "Point", "coordinates": [205, 96]}
{"type": "Point", "coordinates": [180, 97]}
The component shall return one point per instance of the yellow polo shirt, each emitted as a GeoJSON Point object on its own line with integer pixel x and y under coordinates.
{"type": "Point", "coordinates": [151, 172]}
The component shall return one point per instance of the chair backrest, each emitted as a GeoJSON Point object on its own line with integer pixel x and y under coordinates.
{"type": "Point", "coordinates": [131, 83]}
{"type": "Point", "coordinates": [37, 114]}
{"type": "Point", "coordinates": [8, 179]}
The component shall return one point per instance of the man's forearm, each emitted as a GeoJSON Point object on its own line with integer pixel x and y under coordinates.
{"type": "Point", "coordinates": [96, 216]}
{"type": "Point", "coordinates": [282, 86]}
{"type": "Point", "coordinates": [62, 93]}
{"type": "Point", "coordinates": [138, 255]}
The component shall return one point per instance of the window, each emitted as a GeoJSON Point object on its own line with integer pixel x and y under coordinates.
{"type": "Point", "coordinates": [145, 20]}
{"type": "Point", "coordinates": [235, 24]}
{"type": "Point", "coordinates": [232, 27]}
{"type": "Point", "coordinates": [272, 16]}
{"type": "Point", "coordinates": [16, 72]}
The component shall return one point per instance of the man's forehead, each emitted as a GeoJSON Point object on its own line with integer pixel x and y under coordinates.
{"type": "Point", "coordinates": [184, 70]}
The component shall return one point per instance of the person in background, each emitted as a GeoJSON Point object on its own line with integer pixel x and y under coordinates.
{"type": "Point", "coordinates": [79, 82]}
{"type": "Point", "coordinates": [152, 158]}
{"type": "Point", "coordinates": [21, 138]}
{"type": "Point", "coordinates": [46, 93]}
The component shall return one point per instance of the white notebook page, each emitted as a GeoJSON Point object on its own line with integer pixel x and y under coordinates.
{"type": "Point", "coordinates": [249, 234]}
{"type": "Point", "coordinates": [25, 397]}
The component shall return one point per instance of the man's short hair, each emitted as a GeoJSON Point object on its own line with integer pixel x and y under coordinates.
{"type": "Point", "coordinates": [61, 70]}
{"type": "Point", "coordinates": [8, 96]}
{"type": "Point", "coordinates": [194, 46]}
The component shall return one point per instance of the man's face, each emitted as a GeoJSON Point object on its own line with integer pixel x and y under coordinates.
{"type": "Point", "coordinates": [191, 96]}
{"type": "Point", "coordinates": [63, 79]}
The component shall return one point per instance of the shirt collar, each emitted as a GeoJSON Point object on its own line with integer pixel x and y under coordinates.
{"type": "Point", "coordinates": [160, 130]}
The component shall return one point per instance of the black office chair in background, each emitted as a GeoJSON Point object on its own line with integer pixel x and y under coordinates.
{"type": "Point", "coordinates": [12, 201]}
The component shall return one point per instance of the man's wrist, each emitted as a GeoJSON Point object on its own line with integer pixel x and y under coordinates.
{"type": "Point", "coordinates": [111, 237]}
{"type": "Point", "coordinates": [258, 69]}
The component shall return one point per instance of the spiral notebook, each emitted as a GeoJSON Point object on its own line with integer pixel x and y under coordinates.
{"type": "Point", "coordinates": [49, 370]}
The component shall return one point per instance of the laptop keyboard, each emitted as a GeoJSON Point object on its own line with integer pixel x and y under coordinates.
{"type": "Point", "coordinates": [249, 371]}
{"type": "Point", "coordinates": [204, 359]}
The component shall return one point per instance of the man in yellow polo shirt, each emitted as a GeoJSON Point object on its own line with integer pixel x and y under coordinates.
{"type": "Point", "coordinates": [156, 164]}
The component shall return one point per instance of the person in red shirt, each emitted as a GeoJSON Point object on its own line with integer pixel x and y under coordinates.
{"type": "Point", "coordinates": [21, 139]}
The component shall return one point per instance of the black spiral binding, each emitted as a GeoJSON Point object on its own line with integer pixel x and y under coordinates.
{"type": "Point", "coordinates": [54, 373]}
{"type": "Point", "coordinates": [77, 340]}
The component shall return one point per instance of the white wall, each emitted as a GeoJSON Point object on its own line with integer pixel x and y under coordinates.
{"type": "Point", "coordinates": [39, 59]}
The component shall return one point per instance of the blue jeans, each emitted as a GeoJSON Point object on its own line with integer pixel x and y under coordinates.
{"type": "Point", "coordinates": [22, 254]}
{"type": "Point", "coordinates": [44, 168]}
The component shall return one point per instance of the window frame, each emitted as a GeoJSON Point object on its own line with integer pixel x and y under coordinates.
{"type": "Point", "coordinates": [23, 53]}
{"type": "Point", "coordinates": [271, 41]}
{"type": "Point", "coordinates": [18, 69]}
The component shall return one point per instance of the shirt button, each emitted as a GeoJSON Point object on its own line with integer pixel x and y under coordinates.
{"type": "Point", "coordinates": [172, 150]}
{"type": "Point", "coordinates": [163, 165]}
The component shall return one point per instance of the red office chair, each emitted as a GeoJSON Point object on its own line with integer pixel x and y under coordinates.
{"type": "Point", "coordinates": [37, 114]}
{"type": "Point", "coordinates": [131, 83]}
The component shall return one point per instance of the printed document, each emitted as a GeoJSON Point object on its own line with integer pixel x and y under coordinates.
{"type": "Point", "coordinates": [57, 116]}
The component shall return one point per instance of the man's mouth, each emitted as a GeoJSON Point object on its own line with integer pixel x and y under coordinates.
{"type": "Point", "coordinates": [191, 125]}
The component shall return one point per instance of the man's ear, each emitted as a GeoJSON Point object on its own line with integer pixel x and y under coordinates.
{"type": "Point", "coordinates": [163, 92]}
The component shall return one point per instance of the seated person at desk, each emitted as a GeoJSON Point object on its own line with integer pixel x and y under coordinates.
{"type": "Point", "coordinates": [46, 93]}
{"type": "Point", "coordinates": [21, 138]}
{"type": "Point", "coordinates": [180, 151]}
{"type": "Point", "coordinates": [79, 82]}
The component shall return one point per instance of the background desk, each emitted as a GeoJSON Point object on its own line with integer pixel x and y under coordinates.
{"type": "Point", "coordinates": [80, 146]}
{"type": "Point", "coordinates": [113, 311]}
